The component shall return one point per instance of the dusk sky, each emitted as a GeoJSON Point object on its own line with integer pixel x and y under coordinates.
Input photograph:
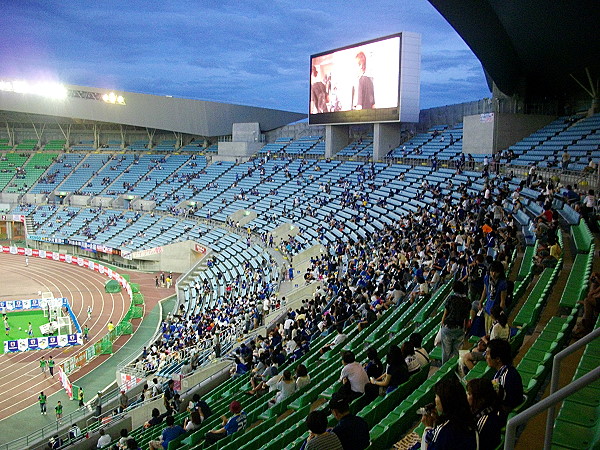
{"type": "Point", "coordinates": [245, 51]}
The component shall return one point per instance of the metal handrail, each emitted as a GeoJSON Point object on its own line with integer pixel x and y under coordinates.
{"type": "Point", "coordinates": [554, 397]}
{"type": "Point", "coordinates": [555, 377]}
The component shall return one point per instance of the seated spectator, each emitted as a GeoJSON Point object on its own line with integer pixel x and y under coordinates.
{"type": "Point", "coordinates": [171, 432]}
{"type": "Point", "coordinates": [193, 422]}
{"type": "Point", "coordinates": [500, 328]}
{"type": "Point", "coordinates": [132, 444]}
{"type": "Point", "coordinates": [302, 377]}
{"type": "Point", "coordinates": [374, 366]}
{"type": "Point", "coordinates": [285, 387]}
{"type": "Point", "coordinates": [450, 424]}
{"type": "Point", "coordinates": [237, 422]}
{"type": "Point", "coordinates": [408, 351]}
{"type": "Point", "coordinates": [319, 438]}
{"type": "Point", "coordinates": [508, 380]}
{"type": "Point", "coordinates": [155, 419]}
{"type": "Point", "coordinates": [340, 337]}
{"type": "Point", "coordinates": [484, 403]}
{"type": "Point", "coordinates": [369, 317]}
{"type": "Point", "coordinates": [396, 371]}
{"type": "Point", "coordinates": [420, 353]}
{"type": "Point", "coordinates": [56, 442]}
{"type": "Point", "coordinates": [352, 431]}
{"type": "Point", "coordinates": [353, 376]}
{"type": "Point", "coordinates": [104, 439]}
{"type": "Point", "coordinates": [422, 289]}
{"type": "Point", "coordinates": [197, 404]}
{"type": "Point", "coordinates": [590, 308]}
{"type": "Point", "coordinates": [476, 354]}
{"type": "Point", "coordinates": [239, 369]}
{"type": "Point", "coordinates": [122, 442]}
{"type": "Point", "coordinates": [74, 431]}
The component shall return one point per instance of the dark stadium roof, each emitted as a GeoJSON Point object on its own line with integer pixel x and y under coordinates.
{"type": "Point", "coordinates": [530, 44]}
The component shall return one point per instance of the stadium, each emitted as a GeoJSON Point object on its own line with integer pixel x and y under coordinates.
{"type": "Point", "coordinates": [178, 250]}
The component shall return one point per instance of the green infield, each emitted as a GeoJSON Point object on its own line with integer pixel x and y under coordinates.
{"type": "Point", "coordinates": [21, 319]}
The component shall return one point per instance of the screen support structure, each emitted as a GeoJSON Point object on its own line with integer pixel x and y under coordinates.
{"type": "Point", "coordinates": [336, 138]}
{"type": "Point", "coordinates": [386, 136]}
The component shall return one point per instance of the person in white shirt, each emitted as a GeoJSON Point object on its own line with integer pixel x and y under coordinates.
{"type": "Point", "coordinates": [420, 353]}
{"type": "Point", "coordinates": [104, 439]}
{"type": "Point", "coordinates": [302, 377]}
{"type": "Point", "coordinates": [353, 374]}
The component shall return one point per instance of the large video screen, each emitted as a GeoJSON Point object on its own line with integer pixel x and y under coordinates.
{"type": "Point", "coordinates": [358, 83]}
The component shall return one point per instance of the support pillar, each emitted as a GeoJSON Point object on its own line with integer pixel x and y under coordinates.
{"type": "Point", "coordinates": [386, 136]}
{"type": "Point", "coordinates": [336, 138]}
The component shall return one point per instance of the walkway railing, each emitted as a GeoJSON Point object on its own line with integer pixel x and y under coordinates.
{"type": "Point", "coordinates": [555, 396]}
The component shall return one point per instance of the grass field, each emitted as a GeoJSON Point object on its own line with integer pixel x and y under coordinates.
{"type": "Point", "coordinates": [21, 319]}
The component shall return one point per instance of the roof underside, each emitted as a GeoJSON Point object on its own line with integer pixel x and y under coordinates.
{"type": "Point", "coordinates": [530, 47]}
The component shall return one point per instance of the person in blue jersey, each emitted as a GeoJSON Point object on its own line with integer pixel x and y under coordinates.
{"type": "Point", "coordinates": [494, 292]}
{"type": "Point", "coordinates": [236, 423]}
{"type": "Point", "coordinates": [451, 425]}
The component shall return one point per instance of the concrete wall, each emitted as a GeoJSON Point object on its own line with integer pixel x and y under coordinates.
{"type": "Point", "coordinates": [336, 138]}
{"type": "Point", "coordinates": [243, 216]}
{"type": "Point", "coordinates": [177, 257]}
{"type": "Point", "coordinates": [245, 132]}
{"type": "Point", "coordinates": [386, 136]}
{"type": "Point", "coordinates": [514, 127]}
{"type": "Point", "coordinates": [484, 133]}
{"type": "Point", "coordinates": [80, 200]}
{"type": "Point", "coordinates": [478, 134]}
{"type": "Point", "coordinates": [237, 150]}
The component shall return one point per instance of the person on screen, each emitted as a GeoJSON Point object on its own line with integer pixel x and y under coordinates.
{"type": "Point", "coordinates": [363, 93]}
{"type": "Point", "coordinates": [318, 93]}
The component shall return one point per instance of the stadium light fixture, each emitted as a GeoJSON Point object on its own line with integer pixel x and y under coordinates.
{"type": "Point", "coordinates": [55, 91]}
{"type": "Point", "coordinates": [113, 98]}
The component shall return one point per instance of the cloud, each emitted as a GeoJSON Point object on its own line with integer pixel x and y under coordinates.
{"type": "Point", "coordinates": [246, 52]}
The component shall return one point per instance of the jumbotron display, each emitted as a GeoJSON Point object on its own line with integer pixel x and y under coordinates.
{"type": "Point", "coordinates": [372, 81]}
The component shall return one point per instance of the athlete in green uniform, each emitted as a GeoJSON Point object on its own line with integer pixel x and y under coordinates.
{"type": "Point", "coordinates": [42, 400]}
{"type": "Point", "coordinates": [43, 366]}
{"type": "Point", "coordinates": [59, 411]}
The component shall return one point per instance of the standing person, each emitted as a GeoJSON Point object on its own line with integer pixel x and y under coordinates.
{"type": "Point", "coordinates": [86, 332]}
{"type": "Point", "coordinates": [50, 363]}
{"type": "Point", "coordinates": [363, 92]}
{"type": "Point", "coordinates": [156, 282]}
{"type": "Point", "coordinates": [89, 312]}
{"type": "Point", "coordinates": [494, 292]}
{"type": "Point", "coordinates": [110, 326]}
{"type": "Point", "coordinates": [42, 399]}
{"type": "Point", "coordinates": [59, 411]}
{"type": "Point", "coordinates": [98, 404]}
{"type": "Point", "coordinates": [123, 401]}
{"type": "Point", "coordinates": [80, 397]}
{"type": "Point", "coordinates": [456, 314]}
{"type": "Point", "coordinates": [26, 261]}
{"type": "Point", "coordinates": [43, 366]}
{"type": "Point", "coordinates": [169, 396]}
{"type": "Point", "coordinates": [6, 325]}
